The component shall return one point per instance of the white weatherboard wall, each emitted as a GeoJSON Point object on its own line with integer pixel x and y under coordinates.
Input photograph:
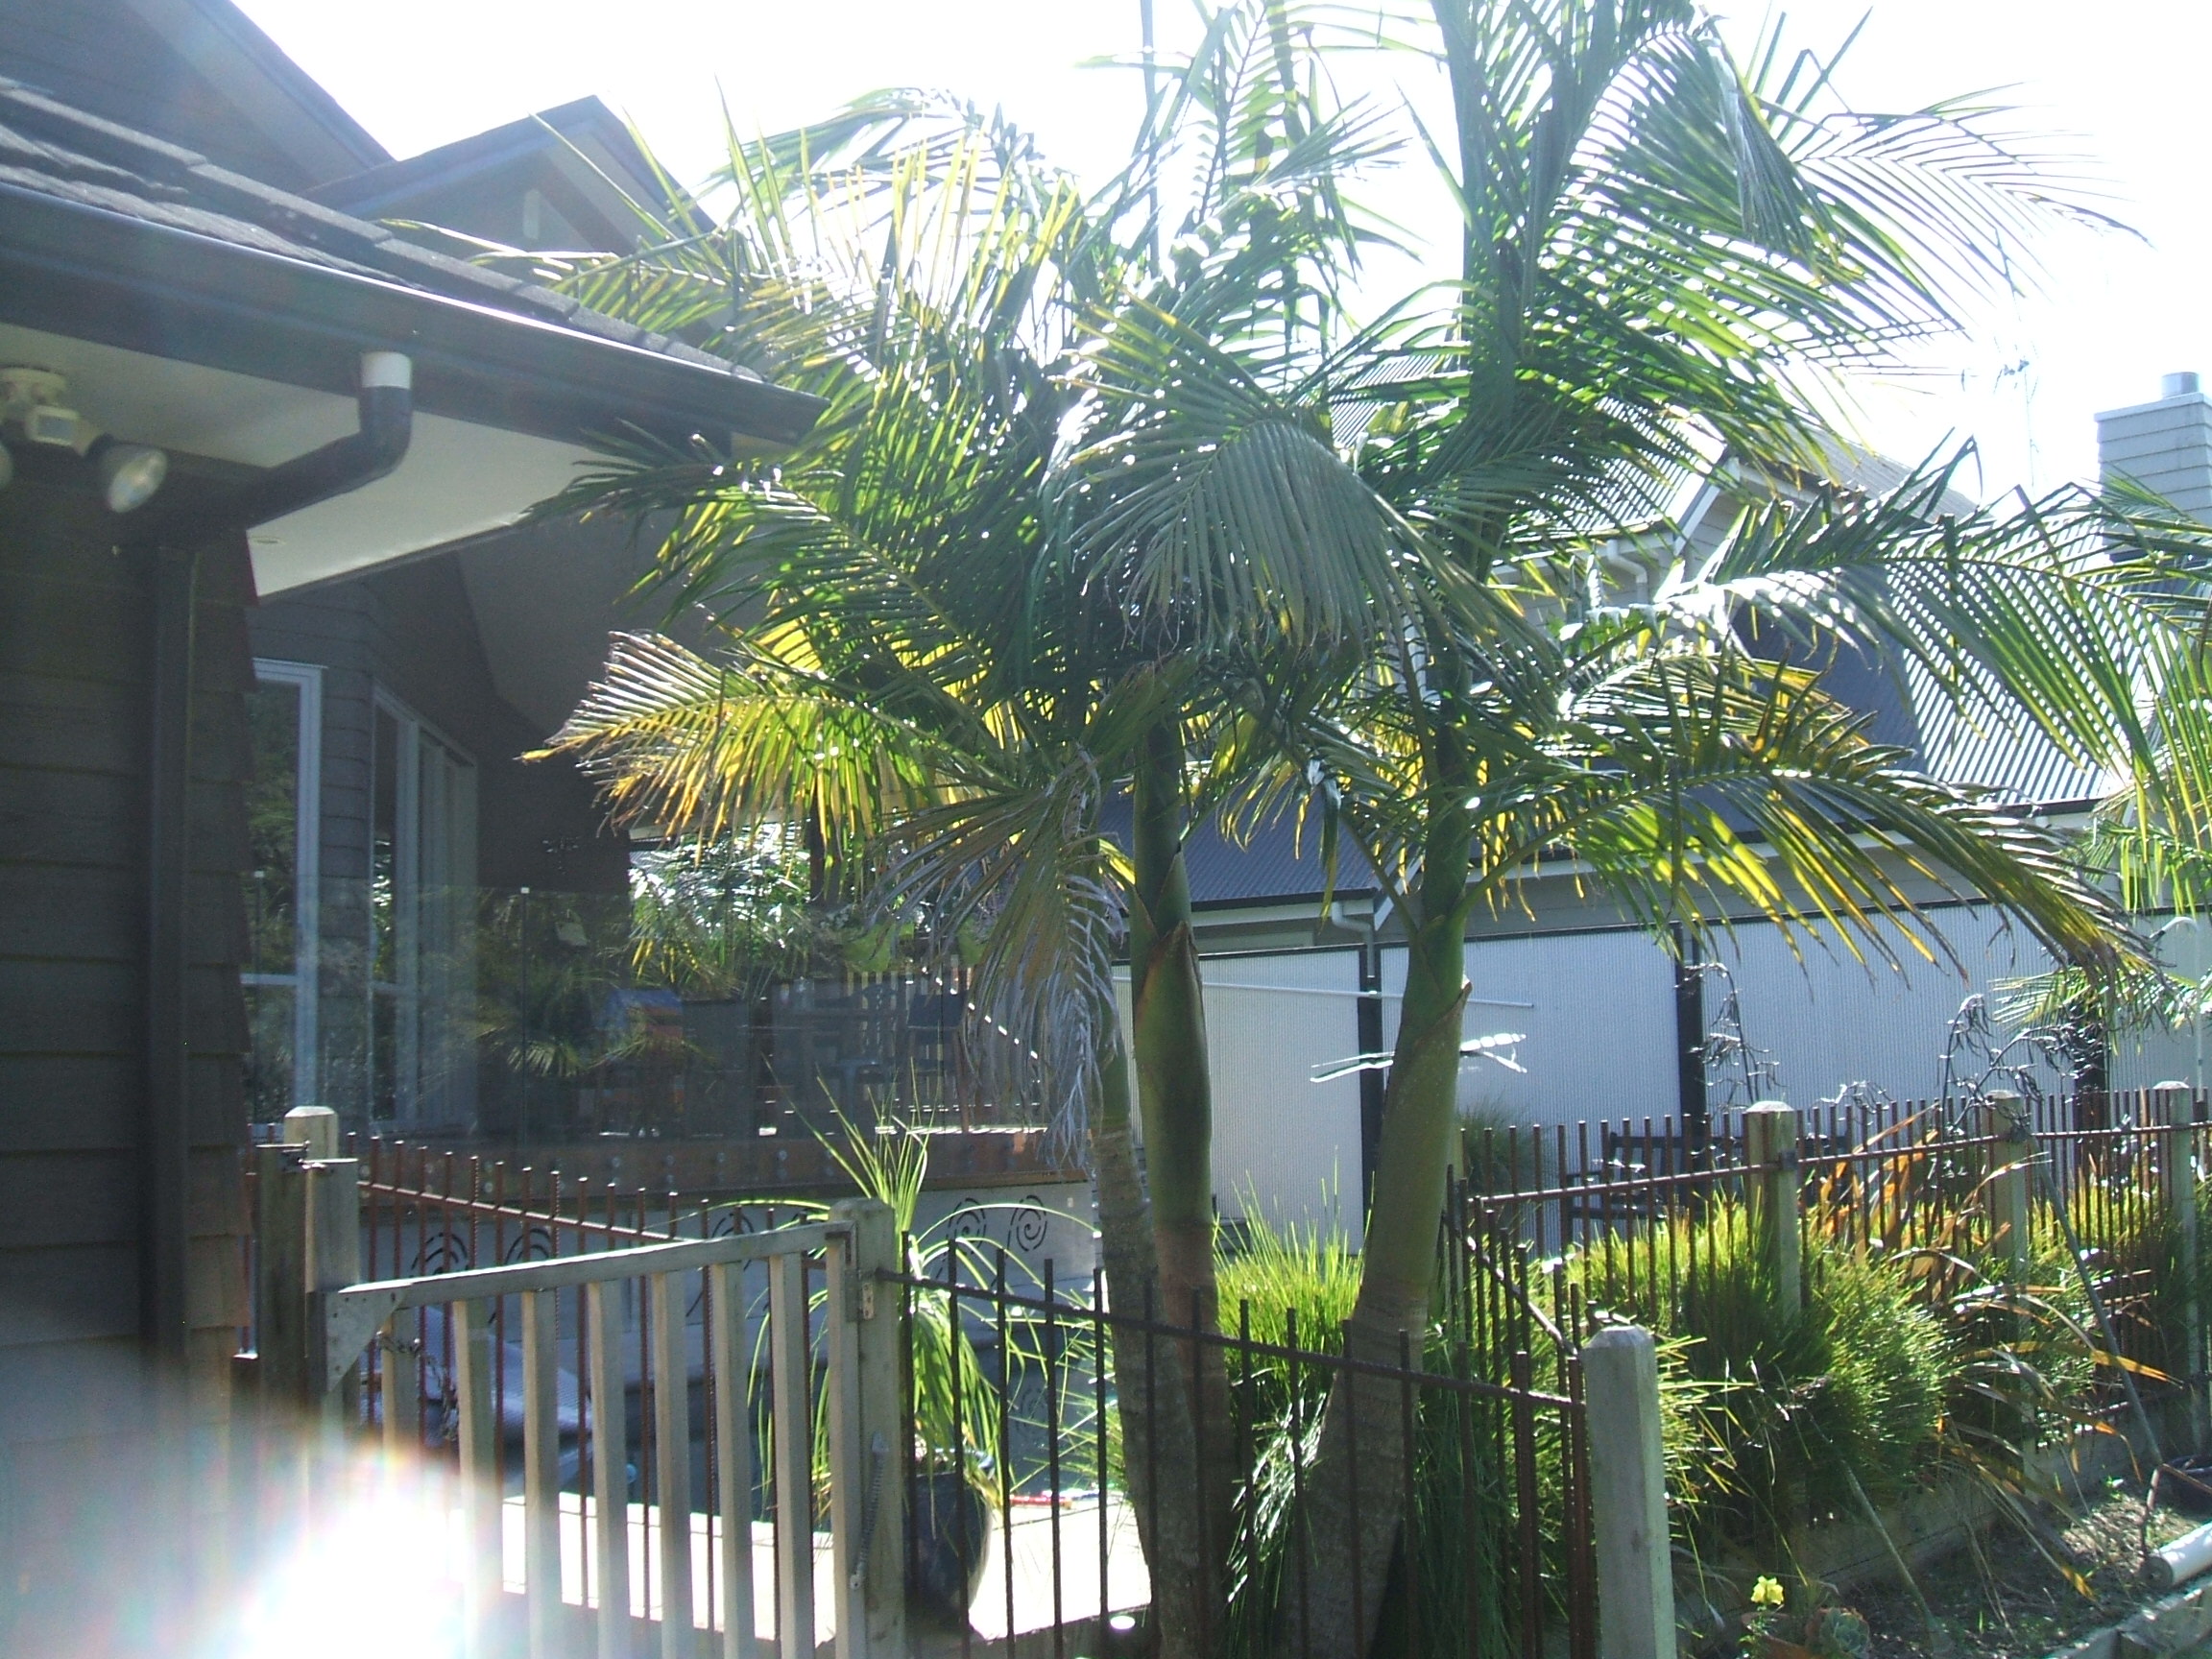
{"type": "Point", "coordinates": [1280, 1139]}
{"type": "Point", "coordinates": [2165, 446]}
{"type": "Point", "coordinates": [1596, 1011]}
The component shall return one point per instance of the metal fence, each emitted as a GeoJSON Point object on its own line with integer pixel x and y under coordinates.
{"type": "Point", "coordinates": [582, 1366]}
{"type": "Point", "coordinates": [635, 1442]}
{"type": "Point", "coordinates": [1580, 1225]}
{"type": "Point", "coordinates": [1495, 1556]}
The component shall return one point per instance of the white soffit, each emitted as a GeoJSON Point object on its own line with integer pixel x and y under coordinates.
{"type": "Point", "coordinates": [459, 478]}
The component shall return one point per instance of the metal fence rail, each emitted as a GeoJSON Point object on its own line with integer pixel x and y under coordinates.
{"type": "Point", "coordinates": [664, 1278]}
{"type": "Point", "coordinates": [487, 1358]}
{"type": "Point", "coordinates": [1578, 1225]}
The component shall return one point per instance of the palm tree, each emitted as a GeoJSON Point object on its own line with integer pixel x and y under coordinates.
{"type": "Point", "coordinates": [1662, 256]}
{"type": "Point", "coordinates": [1076, 517]}
{"type": "Point", "coordinates": [939, 649]}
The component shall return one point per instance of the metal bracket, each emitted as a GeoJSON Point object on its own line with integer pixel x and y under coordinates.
{"type": "Point", "coordinates": [350, 1320]}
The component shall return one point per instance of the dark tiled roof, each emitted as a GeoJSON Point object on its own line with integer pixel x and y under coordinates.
{"type": "Point", "coordinates": [52, 150]}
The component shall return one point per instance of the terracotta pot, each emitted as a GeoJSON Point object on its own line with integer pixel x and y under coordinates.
{"type": "Point", "coordinates": [1775, 1648]}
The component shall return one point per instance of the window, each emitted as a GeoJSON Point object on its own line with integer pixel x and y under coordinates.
{"type": "Point", "coordinates": [284, 716]}
{"type": "Point", "coordinates": [421, 924]}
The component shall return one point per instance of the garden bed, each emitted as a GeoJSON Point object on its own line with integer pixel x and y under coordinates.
{"type": "Point", "coordinates": [2004, 1599]}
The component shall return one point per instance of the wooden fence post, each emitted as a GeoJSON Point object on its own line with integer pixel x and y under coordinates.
{"type": "Point", "coordinates": [1770, 1151]}
{"type": "Point", "coordinates": [1628, 1495]}
{"type": "Point", "coordinates": [2180, 1170]}
{"type": "Point", "coordinates": [2002, 1118]}
{"type": "Point", "coordinates": [479, 1472]}
{"type": "Point", "coordinates": [333, 1261]}
{"type": "Point", "coordinates": [281, 1326]}
{"type": "Point", "coordinates": [867, 1497]}
{"type": "Point", "coordinates": [280, 1340]}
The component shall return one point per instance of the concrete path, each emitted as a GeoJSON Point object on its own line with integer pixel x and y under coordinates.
{"type": "Point", "coordinates": [1033, 1605]}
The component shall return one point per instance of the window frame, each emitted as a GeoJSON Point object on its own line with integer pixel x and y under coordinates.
{"type": "Point", "coordinates": [406, 992]}
{"type": "Point", "coordinates": [305, 981]}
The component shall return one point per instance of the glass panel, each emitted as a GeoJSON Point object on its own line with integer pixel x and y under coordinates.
{"type": "Point", "coordinates": [384, 1054]}
{"type": "Point", "coordinates": [269, 1016]}
{"type": "Point", "coordinates": [444, 979]}
{"type": "Point", "coordinates": [679, 1011]}
{"type": "Point", "coordinates": [273, 828]}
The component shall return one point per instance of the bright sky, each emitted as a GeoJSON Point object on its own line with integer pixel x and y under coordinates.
{"type": "Point", "coordinates": [2121, 82]}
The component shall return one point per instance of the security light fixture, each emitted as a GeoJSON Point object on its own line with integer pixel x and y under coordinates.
{"type": "Point", "coordinates": [31, 403]}
{"type": "Point", "coordinates": [128, 473]}
{"type": "Point", "coordinates": [32, 399]}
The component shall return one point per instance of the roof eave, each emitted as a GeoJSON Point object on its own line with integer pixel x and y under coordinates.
{"type": "Point", "coordinates": [70, 268]}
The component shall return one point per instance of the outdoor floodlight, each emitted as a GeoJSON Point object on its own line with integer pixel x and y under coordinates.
{"type": "Point", "coordinates": [129, 473]}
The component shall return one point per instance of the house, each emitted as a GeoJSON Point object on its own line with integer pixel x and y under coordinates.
{"type": "Point", "coordinates": [218, 391]}
{"type": "Point", "coordinates": [1292, 988]}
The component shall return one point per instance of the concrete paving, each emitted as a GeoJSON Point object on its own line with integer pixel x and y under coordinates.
{"type": "Point", "coordinates": [1020, 1602]}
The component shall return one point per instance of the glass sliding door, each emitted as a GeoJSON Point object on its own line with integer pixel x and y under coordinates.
{"type": "Point", "coordinates": [422, 925]}
{"type": "Point", "coordinates": [284, 715]}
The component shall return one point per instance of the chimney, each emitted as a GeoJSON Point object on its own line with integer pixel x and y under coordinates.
{"type": "Point", "coordinates": [2164, 446]}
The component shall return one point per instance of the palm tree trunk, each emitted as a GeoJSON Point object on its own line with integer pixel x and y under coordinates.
{"type": "Point", "coordinates": [1175, 1096]}
{"type": "Point", "coordinates": [1157, 1450]}
{"type": "Point", "coordinates": [1355, 1503]}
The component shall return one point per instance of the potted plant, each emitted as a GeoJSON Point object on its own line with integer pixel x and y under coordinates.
{"type": "Point", "coordinates": [954, 1479]}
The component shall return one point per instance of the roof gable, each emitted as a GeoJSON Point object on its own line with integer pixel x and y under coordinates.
{"type": "Point", "coordinates": [570, 179]}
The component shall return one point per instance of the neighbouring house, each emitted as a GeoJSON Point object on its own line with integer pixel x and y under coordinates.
{"type": "Point", "coordinates": [219, 391]}
{"type": "Point", "coordinates": [1611, 1026]}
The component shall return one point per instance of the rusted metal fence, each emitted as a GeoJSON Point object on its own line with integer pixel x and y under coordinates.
{"type": "Point", "coordinates": [1578, 1225]}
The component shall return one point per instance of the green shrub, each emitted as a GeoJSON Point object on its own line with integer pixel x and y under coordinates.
{"type": "Point", "coordinates": [1794, 1409]}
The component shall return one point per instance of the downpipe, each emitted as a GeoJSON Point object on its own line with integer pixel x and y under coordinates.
{"type": "Point", "coordinates": [174, 542]}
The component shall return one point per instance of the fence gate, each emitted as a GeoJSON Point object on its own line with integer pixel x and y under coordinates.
{"type": "Point", "coordinates": [612, 1418]}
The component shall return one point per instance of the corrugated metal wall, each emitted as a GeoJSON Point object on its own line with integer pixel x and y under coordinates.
{"type": "Point", "coordinates": [2169, 1057]}
{"type": "Point", "coordinates": [1595, 1012]}
{"type": "Point", "coordinates": [1828, 1018]}
{"type": "Point", "coordinates": [1597, 1015]}
{"type": "Point", "coordinates": [1279, 1136]}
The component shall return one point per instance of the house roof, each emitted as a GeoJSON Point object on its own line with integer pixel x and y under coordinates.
{"type": "Point", "coordinates": [196, 72]}
{"type": "Point", "coordinates": [596, 182]}
{"type": "Point", "coordinates": [122, 256]}
{"type": "Point", "coordinates": [51, 150]}
{"type": "Point", "coordinates": [1279, 862]}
